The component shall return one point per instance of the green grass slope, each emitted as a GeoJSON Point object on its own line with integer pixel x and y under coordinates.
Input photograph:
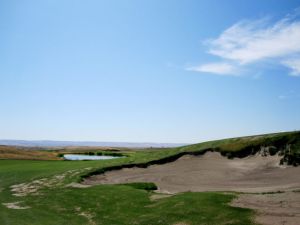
{"type": "Point", "coordinates": [56, 203]}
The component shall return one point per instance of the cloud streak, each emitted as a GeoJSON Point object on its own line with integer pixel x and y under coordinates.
{"type": "Point", "coordinates": [247, 43]}
{"type": "Point", "coordinates": [294, 65]}
{"type": "Point", "coordinates": [215, 68]}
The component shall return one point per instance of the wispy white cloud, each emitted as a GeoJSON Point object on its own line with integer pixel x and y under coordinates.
{"type": "Point", "coordinates": [247, 43]}
{"type": "Point", "coordinates": [289, 95]}
{"type": "Point", "coordinates": [216, 68]}
{"type": "Point", "coordinates": [294, 65]}
{"type": "Point", "coordinates": [282, 97]}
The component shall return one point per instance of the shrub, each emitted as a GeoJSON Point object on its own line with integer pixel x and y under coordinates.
{"type": "Point", "coordinates": [143, 186]}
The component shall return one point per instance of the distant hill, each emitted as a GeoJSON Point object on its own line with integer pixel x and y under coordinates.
{"type": "Point", "coordinates": [49, 143]}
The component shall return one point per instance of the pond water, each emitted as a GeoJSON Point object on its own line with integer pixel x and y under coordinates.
{"type": "Point", "coordinates": [89, 157]}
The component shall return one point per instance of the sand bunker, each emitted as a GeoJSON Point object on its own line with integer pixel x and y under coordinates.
{"type": "Point", "coordinates": [272, 209]}
{"type": "Point", "coordinates": [213, 172]}
{"type": "Point", "coordinates": [210, 172]}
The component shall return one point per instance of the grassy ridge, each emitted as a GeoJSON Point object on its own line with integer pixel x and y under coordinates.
{"type": "Point", "coordinates": [240, 143]}
{"type": "Point", "coordinates": [286, 144]}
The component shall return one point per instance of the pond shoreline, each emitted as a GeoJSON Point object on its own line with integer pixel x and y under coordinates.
{"type": "Point", "coordinates": [76, 157]}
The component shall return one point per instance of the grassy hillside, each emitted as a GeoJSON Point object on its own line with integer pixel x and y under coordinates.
{"type": "Point", "coordinates": [287, 144]}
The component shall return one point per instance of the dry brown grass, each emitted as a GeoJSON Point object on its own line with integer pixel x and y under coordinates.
{"type": "Point", "coordinates": [13, 152]}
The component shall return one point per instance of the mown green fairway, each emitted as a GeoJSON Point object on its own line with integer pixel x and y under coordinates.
{"type": "Point", "coordinates": [104, 204]}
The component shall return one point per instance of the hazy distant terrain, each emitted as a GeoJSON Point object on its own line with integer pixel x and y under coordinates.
{"type": "Point", "coordinates": [50, 143]}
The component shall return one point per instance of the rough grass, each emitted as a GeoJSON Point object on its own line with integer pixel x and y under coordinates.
{"type": "Point", "coordinates": [238, 144]}
{"type": "Point", "coordinates": [121, 205]}
{"type": "Point", "coordinates": [105, 204]}
{"type": "Point", "coordinates": [12, 152]}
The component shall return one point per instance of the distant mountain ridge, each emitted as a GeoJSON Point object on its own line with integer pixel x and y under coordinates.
{"type": "Point", "coordinates": [50, 143]}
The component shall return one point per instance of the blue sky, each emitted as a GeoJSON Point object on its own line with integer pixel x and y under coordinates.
{"type": "Point", "coordinates": [157, 71]}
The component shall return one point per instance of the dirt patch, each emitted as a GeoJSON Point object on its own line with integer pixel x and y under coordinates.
{"type": "Point", "coordinates": [33, 187]}
{"type": "Point", "coordinates": [86, 215]}
{"type": "Point", "coordinates": [157, 196]}
{"type": "Point", "coordinates": [210, 172]}
{"type": "Point", "coordinates": [77, 185]}
{"type": "Point", "coordinates": [272, 209]}
{"type": "Point", "coordinates": [15, 205]}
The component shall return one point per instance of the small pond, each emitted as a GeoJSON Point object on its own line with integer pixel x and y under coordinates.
{"type": "Point", "coordinates": [89, 157]}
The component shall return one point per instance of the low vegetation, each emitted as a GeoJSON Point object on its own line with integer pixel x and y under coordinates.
{"type": "Point", "coordinates": [143, 186]}
{"type": "Point", "coordinates": [12, 152]}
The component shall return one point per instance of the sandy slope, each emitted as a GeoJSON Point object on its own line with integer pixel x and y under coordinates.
{"type": "Point", "coordinates": [273, 209]}
{"type": "Point", "coordinates": [210, 172]}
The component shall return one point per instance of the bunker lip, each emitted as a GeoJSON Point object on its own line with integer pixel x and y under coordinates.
{"type": "Point", "coordinates": [210, 172]}
{"type": "Point", "coordinates": [164, 160]}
